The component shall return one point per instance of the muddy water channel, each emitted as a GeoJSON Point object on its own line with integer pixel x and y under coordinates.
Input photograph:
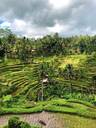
{"type": "Point", "coordinates": [53, 120]}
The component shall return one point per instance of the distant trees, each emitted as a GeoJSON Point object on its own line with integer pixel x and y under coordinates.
{"type": "Point", "coordinates": [4, 32]}
{"type": "Point", "coordinates": [11, 39]}
{"type": "Point", "coordinates": [24, 48]}
{"type": "Point", "coordinates": [22, 51]}
{"type": "Point", "coordinates": [51, 45]}
{"type": "Point", "coordinates": [2, 50]}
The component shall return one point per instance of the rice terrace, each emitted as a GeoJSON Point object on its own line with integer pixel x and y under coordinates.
{"type": "Point", "coordinates": [47, 73]}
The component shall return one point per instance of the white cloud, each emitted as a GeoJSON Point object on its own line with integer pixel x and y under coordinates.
{"type": "Point", "coordinates": [58, 28]}
{"type": "Point", "coordinates": [23, 27]}
{"type": "Point", "coordinates": [5, 24]}
{"type": "Point", "coordinates": [18, 25]}
{"type": "Point", "coordinates": [58, 4]}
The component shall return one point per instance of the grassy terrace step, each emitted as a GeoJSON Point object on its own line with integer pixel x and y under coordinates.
{"type": "Point", "coordinates": [59, 105]}
{"type": "Point", "coordinates": [12, 82]}
{"type": "Point", "coordinates": [20, 64]}
{"type": "Point", "coordinates": [64, 106]}
{"type": "Point", "coordinates": [65, 80]}
{"type": "Point", "coordinates": [21, 80]}
{"type": "Point", "coordinates": [11, 67]}
{"type": "Point", "coordinates": [83, 103]}
{"type": "Point", "coordinates": [15, 75]}
{"type": "Point", "coordinates": [75, 84]}
{"type": "Point", "coordinates": [20, 87]}
{"type": "Point", "coordinates": [12, 89]}
{"type": "Point", "coordinates": [16, 67]}
{"type": "Point", "coordinates": [32, 86]}
{"type": "Point", "coordinates": [34, 89]}
{"type": "Point", "coordinates": [10, 70]}
{"type": "Point", "coordinates": [20, 83]}
{"type": "Point", "coordinates": [21, 73]}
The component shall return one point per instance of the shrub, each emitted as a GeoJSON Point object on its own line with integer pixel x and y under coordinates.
{"type": "Point", "coordinates": [24, 125]}
{"type": "Point", "coordinates": [14, 122]}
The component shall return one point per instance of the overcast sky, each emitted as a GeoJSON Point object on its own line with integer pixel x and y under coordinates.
{"type": "Point", "coordinates": [37, 18]}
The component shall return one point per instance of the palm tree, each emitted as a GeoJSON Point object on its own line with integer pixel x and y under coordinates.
{"type": "Point", "coordinates": [93, 84]}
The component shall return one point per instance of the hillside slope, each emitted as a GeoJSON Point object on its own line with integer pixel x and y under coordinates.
{"type": "Point", "coordinates": [23, 79]}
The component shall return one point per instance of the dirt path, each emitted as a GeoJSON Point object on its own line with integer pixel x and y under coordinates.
{"type": "Point", "coordinates": [53, 120]}
{"type": "Point", "coordinates": [44, 119]}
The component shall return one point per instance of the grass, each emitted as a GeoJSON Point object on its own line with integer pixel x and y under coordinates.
{"type": "Point", "coordinates": [59, 105]}
{"type": "Point", "coordinates": [75, 60]}
{"type": "Point", "coordinates": [21, 110]}
{"type": "Point", "coordinates": [72, 121]}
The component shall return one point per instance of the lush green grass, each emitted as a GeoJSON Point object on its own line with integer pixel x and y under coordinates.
{"type": "Point", "coordinates": [75, 60]}
{"type": "Point", "coordinates": [79, 108]}
{"type": "Point", "coordinates": [72, 121]}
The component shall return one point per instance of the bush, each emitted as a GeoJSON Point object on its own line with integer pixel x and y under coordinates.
{"type": "Point", "coordinates": [24, 125]}
{"type": "Point", "coordinates": [5, 127]}
{"type": "Point", "coordinates": [14, 122]}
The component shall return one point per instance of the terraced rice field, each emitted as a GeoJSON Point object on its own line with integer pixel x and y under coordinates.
{"type": "Point", "coordinates": [17, 78]}
{"type": "Point", "coordinates": [21, 78]}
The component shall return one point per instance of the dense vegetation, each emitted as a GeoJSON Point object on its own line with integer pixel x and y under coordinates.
{"type": "Point", "coordinates": [43, 69]}
{"type": "Point", "coordinates": [14, 122]}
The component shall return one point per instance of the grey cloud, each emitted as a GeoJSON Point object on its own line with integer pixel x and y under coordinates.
{"type": "Point", "coordinates": [37, 11]}
{"type": "Point", "coordinates": [79, 15]}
